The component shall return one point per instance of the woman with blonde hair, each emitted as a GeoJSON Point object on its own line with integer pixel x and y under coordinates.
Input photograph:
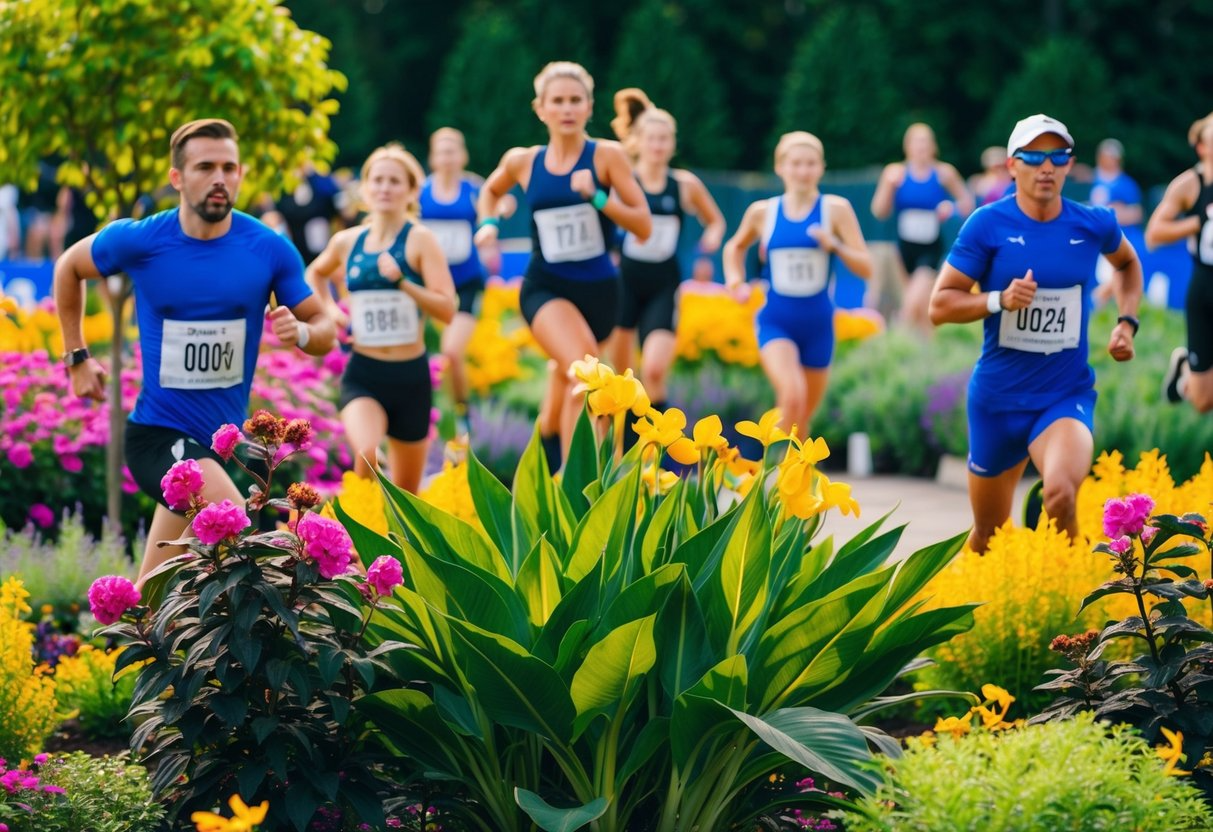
{"type": "Point", "coordinates": [923, 192]}
{"type": "Point", "coordinates": [579, 189]}
{"type": "Point", "coordinates": [799, 233]}
{"type": "Point", "coordinates": [649, 271]}
{"type": "Point", "coordinates": [393, 273]}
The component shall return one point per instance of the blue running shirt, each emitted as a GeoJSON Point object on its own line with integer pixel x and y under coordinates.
{"type": "Point", "coordinates": [454, 224]}
{"type": "Point", "coordinates": [1032, 357]}
{"type": "Point", "coordinates": [200, 305]}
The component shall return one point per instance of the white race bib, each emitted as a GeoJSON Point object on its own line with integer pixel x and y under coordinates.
{"type": "Point", "coordinates": [569, 233]}
{"type": "Point", "coordinates": [455, 238]}
{"type": "Point", "coordinates": [202, 355]}
{"type": "Point", "coordinates": [918, 225]}
{"type": "Point", "coordinates": [1052, 323]}
{"type": "Point", "coordinates": [799, 272]}
{"type": "Point", "coordinates": [661, 245]}
{"type": "Point", "coordinates": [383, 318]}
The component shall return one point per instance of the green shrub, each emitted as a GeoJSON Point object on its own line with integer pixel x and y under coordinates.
{"type": "Point", "coordinates": [1077, 775]}
{"type": "Point", "coordinates": [87, 690]}
{"type": "Point", "coordinates": [101, 794]}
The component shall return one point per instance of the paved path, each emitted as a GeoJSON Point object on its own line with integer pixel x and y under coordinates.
{"type": "Point", "coordinates": [935, 510]}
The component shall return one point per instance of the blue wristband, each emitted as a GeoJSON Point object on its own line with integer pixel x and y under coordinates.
{"type": "Point", "coordinates": [600, 199]}
{"type": "Point", "coordinates": [493, 221]}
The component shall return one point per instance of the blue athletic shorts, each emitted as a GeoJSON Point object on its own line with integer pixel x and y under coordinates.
{"type": "Point", "coordinates": [999, 439]}
{"type": "Point", "coordinates": [813, 337]}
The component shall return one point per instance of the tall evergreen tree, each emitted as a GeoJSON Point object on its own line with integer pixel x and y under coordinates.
{"type": "Point", "coordinates": [660, 55]}
{"type": "Point", "coordinates": [485, 89]}
{"type": "Point", "coordinates": [841, 87]}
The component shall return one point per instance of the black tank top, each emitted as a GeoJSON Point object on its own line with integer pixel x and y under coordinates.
{"type": "Point", "coordinates": [665, 206]}
{"type": "Point", "coordinates": [1202, 254]}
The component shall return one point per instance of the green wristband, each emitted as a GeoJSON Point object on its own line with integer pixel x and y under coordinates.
{"type": "Point", "coordinates": [600, 199]}
{"type": "Point", "coordinates": [493, 221]}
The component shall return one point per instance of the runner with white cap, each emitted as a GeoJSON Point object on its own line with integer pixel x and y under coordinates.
{"type": "Point", "coordinates": [1032, 394]}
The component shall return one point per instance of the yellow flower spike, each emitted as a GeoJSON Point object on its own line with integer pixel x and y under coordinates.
{"type": "Point", "coordinates": [616, 395]}
{"type": "Point", "coordinates": [707, 435]}
{"type": "Point", "coordinates": [662, 429]}
{"type": "Point", "coordinates": [766, 430]}
{"type": "Point", "coordinates": [804, 504]}
{"type": "Point", "coordinates": [814, 452]}
{"type": "Point", "coordinates": [957, 727]}
{"type": "Point", "coordinates": [1173, 753]}
{"type": "Point", "coordinates": [838, 495]}
{"type": "Point", "coordinates": [997, 695]}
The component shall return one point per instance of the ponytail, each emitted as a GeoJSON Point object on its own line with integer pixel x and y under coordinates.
{"type": "Point", "coordinates": [633, 110]}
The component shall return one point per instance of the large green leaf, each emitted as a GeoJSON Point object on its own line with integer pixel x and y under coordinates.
{"type": "Point", "coordinates": [513, 687]}
{"type": "Point", "coordinates": [605, 530]}
{"type": "Point", "coordinates": [493, 506]}
{"type": "Point", "coordinates": [826, 743]}
{"type": "Point", "coordinates": [919, 568]}
{"type": "Point", "coordinates": [640, 598]}
{"type": "Point", "coordinates": [696, 550]}
{"type": "Point", "coordinates": [539, 583]}
{"type": "Point", "coordinates": [449, 538]}
{"type": "Point", "coordinates": [702, 710]}
{"type": "Point", "coordinates": [551, 819]}
{"type": "Point", "coordinates": [539, 506]}
{"type": "Point", "coordinates": [367, 542]}
{"type": "Point", "coordinates": [413, 725]}
{"type": "Point", "coordinates": [481, 599]}
{"type": "Point", "coordinates": [659, 533]}
{"type": "Point", "coordinates": [849, 564]}
{"type": "Point", "coordinates": [737, 590]}
{"type": "Point", "coordinates": [683, 652]}
{"type": "Point", "coordinates": [581, 467]}
{"type": "Point", "coordinates": [583, 602]}
{"type": "Point", "coordinates": [613, 670]}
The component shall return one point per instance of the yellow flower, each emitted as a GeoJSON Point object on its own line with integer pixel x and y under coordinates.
{"type": "Point", "coordinates": [665, 429]}
{"type": "Point", "coordinates": [838, 495]}
{"type": "Point", "coordinates": [766, 430]}
{"type": "Point", "coordinates": [926, 739]}
{"type": "Point", "coordinates": [658, 484]}
{"type": "Point", "coordinates": [998, 696]}
{"type": "Point", "coordinates": [957, 727]}
{"type": "Point", "coordinates": [707, 435]}
{"type": "Point", "coordinates": [243, 818]}
{"type": "Point", "coordinates": [591, 372]}
{"type": "Point", "coordinates": [1173, 753]}
{"type": "Point", "coordinates": [362, 500]}
{"type": "Point", "coordinates": [617, 395]}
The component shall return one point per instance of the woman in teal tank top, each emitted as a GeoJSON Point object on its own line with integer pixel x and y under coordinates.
{"type": "Point", "coordinates": [392, 272]}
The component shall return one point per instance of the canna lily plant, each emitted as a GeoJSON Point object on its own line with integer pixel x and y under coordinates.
{"type": "Point", "coordinates": [611, 653]}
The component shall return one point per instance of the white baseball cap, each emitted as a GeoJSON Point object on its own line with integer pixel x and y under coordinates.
{"type": "Point", "coordinates": [1027, 129]}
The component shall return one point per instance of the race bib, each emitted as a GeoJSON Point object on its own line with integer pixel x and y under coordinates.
{"type": "Point", "coordinates": [799, 272]}
{"type": "Point", "coordinates": [569, 233]}
{"type": "Point", "coordinates": [455, 238]}
{"type": "Point", "coordinates": [202, 355]}
{"type": "Point", "coordinates": [918, 225]}
{"type": "Point", "coordinates": [383, 318]}
{"type": "Point", "coordinates": [1052, 323]}
{"type": "Point", "coordinates": [661, 245]}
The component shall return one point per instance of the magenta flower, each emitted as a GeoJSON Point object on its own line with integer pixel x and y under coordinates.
{"type": "Point", "coordinates": [1127, 516]}
{"type": "Point", "coordinates": [219, 521]}
{"type": "Point", "coordinates": [1147, 534]}
{"type": "Point", "coordinates": [327, 543]}
{"type": "Point", "coordinates": [182, 482]}
{"type": "Point", "coordinates": [129, 486]}
{"type": "Point", "coordinates": [20, 455]}
{"type": "Point", "coordinates": [385, 574]}
{"type": "Point", "coordinates": [225, 441]}
{"type": "Point", "coordinates": [41, 515]}
{"type": "Point", "coordinates": [110, 597]}
{"type": "Point", "coordinates": [1121, 545]}
{"type": "Point", "coordinates": [71, 463]}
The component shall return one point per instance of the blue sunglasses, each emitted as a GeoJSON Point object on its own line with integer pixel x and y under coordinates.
{"type": "Point", "coordinates": [1036, 158]}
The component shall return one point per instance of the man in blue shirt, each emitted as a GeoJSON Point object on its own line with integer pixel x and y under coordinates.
{"type": "Point", "coordinates": [203, 277]}
{"type": "Point", "coordinates": [1026, 266]}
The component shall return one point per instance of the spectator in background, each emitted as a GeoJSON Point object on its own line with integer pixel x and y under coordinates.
{"type": "Point", "coordinates": [994, 182]}
{"type": "Point", "coordinates": [44, 214]}
{"type": "Point", "coordinates": [1112, 187]}
{"type": "Point", "coordinates": [309, 212]}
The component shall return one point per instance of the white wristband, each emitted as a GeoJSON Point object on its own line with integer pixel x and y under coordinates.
{"type": "Point", "coordinates": [994, 302]}
{"type": "Point", "coordinates": [304, 334]}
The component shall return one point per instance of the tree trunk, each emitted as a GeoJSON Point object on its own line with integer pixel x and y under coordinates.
{"type": "Point", "coordinates": [115, 452]}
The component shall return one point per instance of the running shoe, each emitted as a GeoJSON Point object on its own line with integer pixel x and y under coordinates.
{"type": "Point", "coordinates": [1170, 382]}
{"type": "Point", "coordinates": [1033, 504]}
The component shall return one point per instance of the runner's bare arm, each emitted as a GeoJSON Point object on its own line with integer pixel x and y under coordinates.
{"type": "Point", "coordinates": [1170, 221]}
{"type": "Point", "coordinates": [953, 300]}
{"type": "Point", "coordinates": [951, 179]}
{"type": "Point", "coordinates": [1126, 288]}
{"type": "Point", "coordinates": [626, 206]}
{"type": "Point", "coordinates": [72, 268]}
{"type": "Point", "coordinates": [699, 200]}
{"type": "Point", "coordinates": [746, 235]}
{"type": "Point", "coordinates": [506, 175]}
{"type": "Point", "coordinates": [308, 315]}
{"type": "Point", "coordinates": [882, 200]}
{"type": "Point", "coordinates": [424, 254]}
{"type": "Point", "coordinates": [328, 266]}
{"type": "Point", "coordinates": [845, 238]}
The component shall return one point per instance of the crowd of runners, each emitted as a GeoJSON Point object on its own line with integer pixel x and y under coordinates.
{"type": "Point", "coordinates": [607, 218]}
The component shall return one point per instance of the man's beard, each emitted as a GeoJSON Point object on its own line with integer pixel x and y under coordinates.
{"type": "Point", "coordinates": [211, 212]}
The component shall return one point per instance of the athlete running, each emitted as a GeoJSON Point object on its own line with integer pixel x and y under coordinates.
{"type": "Point", "coordinates": [578, 189]}
{"type": "Point", "coordinates": [394, 275]}
{"type": "Point", "coordinates": [799, 233]}
{"type": "Point", "coordinates": [923, 192]}
{"type": "Point", "coordinates": [649, 271]}
{"type": "Point", "coordinates": [1186, 212]}
{"type": "Point", "coordinates": [203, 276]}
{"type": "Point", "coordinates": [1032, 393]}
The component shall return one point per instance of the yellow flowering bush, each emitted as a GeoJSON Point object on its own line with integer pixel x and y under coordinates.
{"type": "Point", "coordinates": [29, 331]}
{"type": "Point", "coordinates": [28, 710]}
{"type": "Point", "coordinates": [362, 500]}
{"type": "Point", "coordinates": [87, 690]}
{"type": "Point", "coordinates": [856, 324]}
{"type": "Point", "coordinates": [498, 343]}
{"type": "Point", "coordinates": [449, 491]}
{"type": "Point", "coordinates": [710, 319]}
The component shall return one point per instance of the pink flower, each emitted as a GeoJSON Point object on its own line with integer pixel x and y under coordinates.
{"type": "Point", "coordinates": [1127, 516]}
{"type": "Point", "coordinates": [110, 597]}
{"type": "Point", "coordinates": [385, 574]}
{"type": "Point", "coordinates": [20, 455]}
{"type": "Point", "coordinates": [71, 463]}
{"type": "Point", "coordinates": [129, 486]}
{"type": "Point", "coordinates": [41, 515]}
{"type": "Point", "coordinates": [225, 441]}
{"type": "Point", "coordinates": [1147, 534]}
{"type": "Point", "coordinates": [327, 543]}
{"type": "Point", "coordinates": [182, 482]}
{"type": "Point", "coordinates": [1121, 545]}
{"type": "Point", "coordinates": [219, 521]}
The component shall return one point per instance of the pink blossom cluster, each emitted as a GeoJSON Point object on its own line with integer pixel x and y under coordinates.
{"type": "Point", "coordinates": [327, 543]}
{"type": "Point", "coordinates": [18, 780]}
{"type": "Point", "coordinates": [109, 597]}
{"type": "Point", "coordinates": [384, 574]}
{"type": "Point", "coordinates": [1127, 516]}
{"type": "Point", "coordinates": [220, 521]}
